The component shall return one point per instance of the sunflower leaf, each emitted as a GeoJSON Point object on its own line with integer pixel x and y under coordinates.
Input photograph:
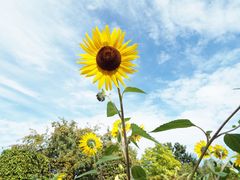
{"type": "Point", "coordinates": [233, 141]}
{"type": "Point", "coordinates": [94, 171]}
{"type": "Point", "coordinates": [111, 149]}
{"type": "Point", "coordinates": [138, 173]}
{"type": "Point", "coordinates": [133, 89]}
{"type": "Point", "coordinates": [107, 158]}
{"type": "Point", "coordinates": [111, 109]}
{"type": "Point", "coordinates": [136, 130]}
{"type": "Point", "coordinates": [179, 123]}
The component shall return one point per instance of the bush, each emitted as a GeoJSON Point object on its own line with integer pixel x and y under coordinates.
{"type": "Point", "coordinates": [160, 163]}
{"type": "Point", "coordinates": [22, 163]}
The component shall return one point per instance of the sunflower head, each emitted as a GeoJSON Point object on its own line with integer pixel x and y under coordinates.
{"type": "Point", "coordinates": [137, 138]}
{"type": "Point", "coordinates": [220, 152]}
{"type": "Point", "coordinates": [90, 144]}
{"type": "Point", "coordinates": [237, 161]}
{"type": "Point", "coordinates": [107, 57]}
{"type": "Point", "coordinates": [200, 147]}
{"type": "Point", "coordinates": [117, 127]}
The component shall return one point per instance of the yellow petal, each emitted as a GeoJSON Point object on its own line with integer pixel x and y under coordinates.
{"type": "Point", "coordinates": [129, 57]}
{"type": "Point", "coordinates": [97, 77]}
{"type": "Point", "coordinates": [101, 82]}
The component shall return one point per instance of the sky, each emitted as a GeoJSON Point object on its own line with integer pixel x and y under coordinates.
{"type": "Point", "coordinates": [189, 65]}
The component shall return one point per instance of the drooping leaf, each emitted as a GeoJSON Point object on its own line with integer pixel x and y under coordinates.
{"type": "Point", "coordinates": [134, 142]}
{"type": "Point", "coordinates": [179, 123]}
{"type": "Point", "coordinates": [107, 158]}
{"type": "Point", "coordinates": [233, 141]}
{"type": "Point", "coordinates": [136, 130]}
{"type": "Point", "coordinates": [138, 173]}
{"type": "Point", "coordinates": [133, 89]}
{"type": "Point", "coordinates": [111, 149]}
{"type": "Point", "coordinates": [111, 109]}
{"type": "Point", "coordinates": [94, 171]}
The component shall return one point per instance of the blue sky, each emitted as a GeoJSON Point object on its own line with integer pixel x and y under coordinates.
{"type": "Point", "coordinates": [189, 63]}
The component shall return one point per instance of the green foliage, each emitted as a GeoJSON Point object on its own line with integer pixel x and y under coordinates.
{"type": "Point", "coordinates": [212, 170]}
{"type": "Point", "coordinates": [133, 89]}
{"type": "Point", "coordinates": [136, 130]}
{"type": "Point", "coordinates": [138, 173]}
{"type": "Point", "coordinates": [159, 161]}
{"type": "Point", "coordinates": [20, 162]}
{"type": "Point", "coordinates": [63, 149]}
{"type": "Point", "coordinates": [179, 123]}
{"type": "Point", "coordinates": [180, 153]}
{"type": "Point", "coordinates": [233, 141]}
{"type": "Point", "coordinates": [111, 109]}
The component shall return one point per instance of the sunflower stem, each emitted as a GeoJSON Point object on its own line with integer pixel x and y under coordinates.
{"type": "Point", "coordinates": [211, 140]}
{"type": "Point", "coordinates": [124, 134]}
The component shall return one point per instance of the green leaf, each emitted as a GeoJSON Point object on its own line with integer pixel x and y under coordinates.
{"type": "Point", "coordinates": [138, 173]}
{"type": "Point", "coordinates": [179, 123]}
{"type": "Point", "coordinates": [94, 171]}
{"type": "Point", "coordinates": [111, 149]}
{"type": "Point", "coordinates": [111, 109]}
{"type": "Point", "coordinates": [233, 141]}
{"type": "Point", "coordinates": [133, 89]}
{"type": "Point", "coordinates": [107, 158]}
{"type": "Point", "coordinates": [134, 142]}
{"type": "Point", "coordinates": [127, 119]}
{"type": "Point", "coordinates": [136, 130]}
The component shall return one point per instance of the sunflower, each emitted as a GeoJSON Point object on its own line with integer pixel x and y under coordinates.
{"type": "Point", "coordinates": [117, 126]}
{"type": "Point", "coordinates": [61, 176]}
{"type": "Point", "coordinates": [107, 57]}
{"type": "Point", "coordinates": [90, 144]}
{"type": "Point", "coordinates": [137, 137]}
{"type": "Point", "coordinates": [237, 161]}
{"type": "Point", "coordinates": [199, 148]}
{"type": "Point", "coordinates": [220, 152]}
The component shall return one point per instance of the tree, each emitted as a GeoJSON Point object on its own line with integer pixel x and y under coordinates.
{"type": "Point", "coordinates": [19, 162]}
{"type": "Point", "coordinates": [160, 163]}
{"type": "Point", "coordinates": [180, 153]}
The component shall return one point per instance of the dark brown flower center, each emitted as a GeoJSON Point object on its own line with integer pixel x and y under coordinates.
{"type": "Point", "coordinates": [108, 58]}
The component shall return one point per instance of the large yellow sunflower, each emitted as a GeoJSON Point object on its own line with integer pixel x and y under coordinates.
{"type": "Point", "coordinates": [199, 148]}
{"type": "Point", "coordinates": [220, 152]}
{"type": "Point", "coordinates": [237, 160]}
{"type": "Point", "coordinates": [108, 58]}
{"type": "Point", "coordinates": [117, 126]}
{"type": "Point", "coordinates": [90, 144]}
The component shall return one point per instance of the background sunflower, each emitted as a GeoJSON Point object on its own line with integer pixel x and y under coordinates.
{"type": "Point", "coordinates": [220, 152]}
{"type": "Point", "coordinates": [117, 126]}
{"type": "Point", "coordinates": [237, 161]}
{"type": "Point", "coordinates": [90, 144]}
{"type": "Point", "coordinates": [107, 57]}
{"type": "Point", "coordinates": [199, 148]}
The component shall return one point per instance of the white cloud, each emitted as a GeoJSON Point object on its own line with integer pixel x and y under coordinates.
{"type": "Point", "coordinates": [18, 87]}
{"type": "Point", "coordinates": [11, 132]}
{"type": "Point", "coordinates": [163, 57]}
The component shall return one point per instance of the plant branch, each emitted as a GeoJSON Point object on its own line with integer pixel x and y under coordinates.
{"type": "Point", "coordinates": [203, 132]}
{"type": "Point", "coordinates": [229, 131]}
{"type": "Point", "coordinates": [211, 140]}
{"type": "Point", "coordinates": [124, 134]}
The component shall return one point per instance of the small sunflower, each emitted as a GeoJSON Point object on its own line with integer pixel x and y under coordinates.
{"type": "Point", "coordinates": [220, 152]}
{"type": "Point", "coordinates": [117, 126]}
{"type": "Point", "coordinates": [137, 137]}
{"type": "Point", "coordinates": [90, 144]}
{"type": "Point", "coordinates": [199, 148]}
{"type": "Point", "coordinates": [237, 161]}
{"type": "Point", "coordinates": [108, 58]}
{"type": "Point", "coordinates": [61, 176]}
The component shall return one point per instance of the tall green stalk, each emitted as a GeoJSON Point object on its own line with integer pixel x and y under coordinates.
{"type": "Point", "coordinates": [124, 134]}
